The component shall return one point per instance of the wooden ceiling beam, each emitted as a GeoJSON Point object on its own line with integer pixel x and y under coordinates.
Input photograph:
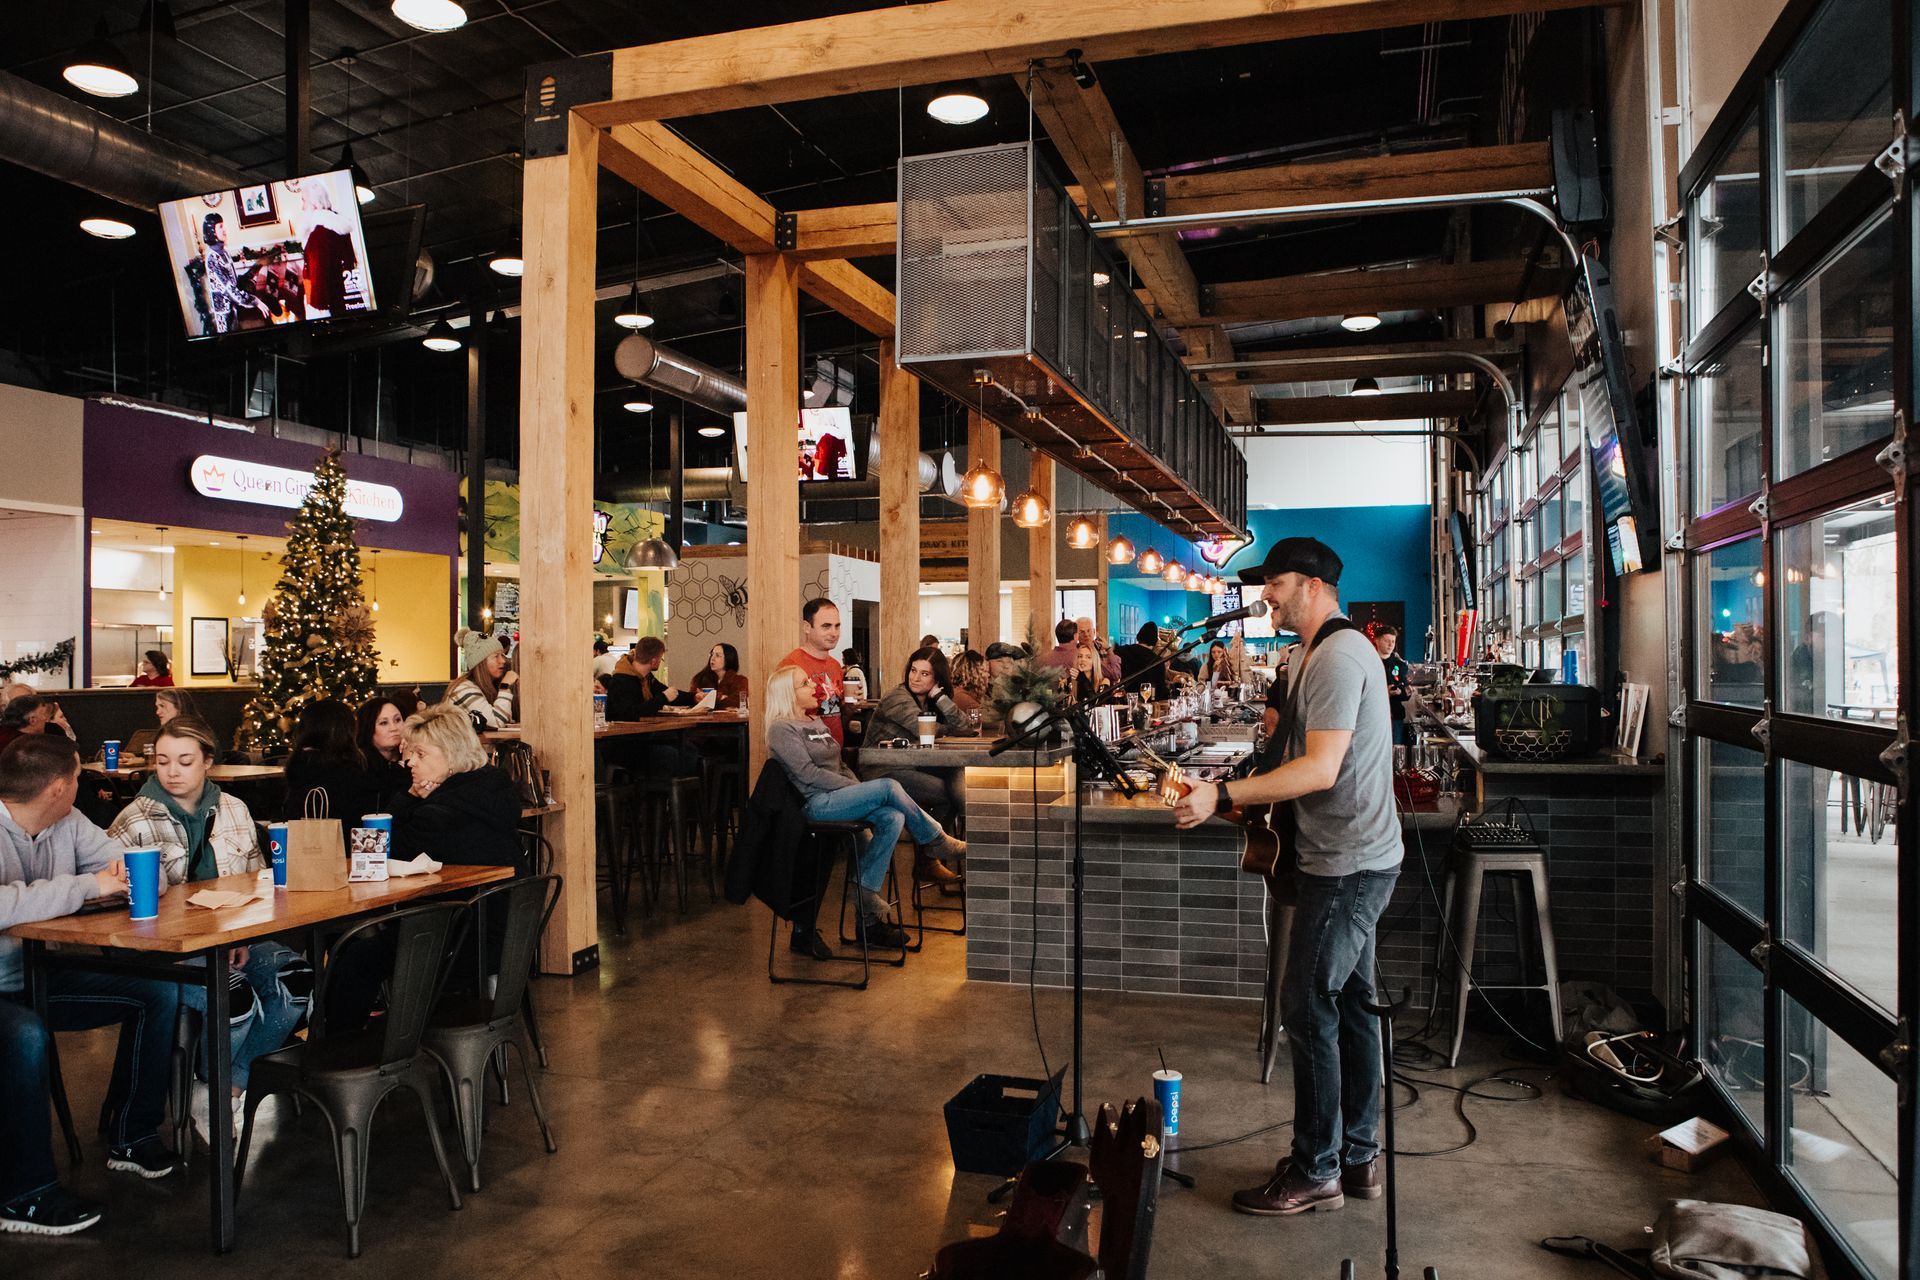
{"type": "Point", "coordinates": [667, 167]}
{"type": "Point", "coordinates": [926, 43]}
{"type": "Point", "coordinates": [1422, 288]}
{"type": "Point", "coordinates": [853, 231]}
{"type": "Point", "coordinates": [851, 292]}
{"type": "Point", "coordinates": [1299, 410]}
{"type": "Point", "coordinates": [1523, 167]}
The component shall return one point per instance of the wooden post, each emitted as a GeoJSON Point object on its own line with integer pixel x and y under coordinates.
{"type": "Point", "coordinates": [899, 429]}
{"type": "Point", "coordinates": [773, 488]}
{"type": "Point", "coordinates": [561, 198]}
{"type": "Point", "coordinates": [1042, 544]}
{"type": "Point", "coordinates": [1102, 624]}
{"type": "Point", "coordinates": [983, 544]}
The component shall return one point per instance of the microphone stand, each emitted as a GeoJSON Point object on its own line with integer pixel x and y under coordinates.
{"type": "Point", "coordinates": [1091, 756]}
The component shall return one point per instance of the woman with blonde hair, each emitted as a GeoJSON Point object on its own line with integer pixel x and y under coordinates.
{"type": "Point", "coordinates": [202, 833]}
{"type": "Point", "coordinates": [459, 808]}
{"type": "Point", "coordinates": [801, 742]}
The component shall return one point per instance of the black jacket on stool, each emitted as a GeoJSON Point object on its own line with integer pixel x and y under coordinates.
{"type": "Point", "coordinates": [772, 859]}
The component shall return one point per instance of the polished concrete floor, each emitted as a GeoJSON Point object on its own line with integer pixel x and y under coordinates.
{"type": "Point", "coordinates": [713, 1126]}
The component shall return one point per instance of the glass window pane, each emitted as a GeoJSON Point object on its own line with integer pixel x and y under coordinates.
{"type": "Point", "coordinates": [1734, 817]}
{"type": "Point", "coordinates": [1550, 531]}
{"type": "Point", "coordinates": [1572, 432]}
{"type": "Point", "coordinates": [1550, 655]}
{"type": "Point", "coordinates": [1552, 579]}
{"type": "Point", "coordinates": [1841, 1141]}
{"type": "Point", "coordinates": [1732, 633]}
{"type": "Point", "coordinates": [1729, 226]}
{"type": "Point", "coordinates": [1838, 330]}
{"type": "Point", "coordinates": [1530, 539]}
{"type": "Point", "coordinates": [1574, 494]}
{"type": "Point", "coordinates": [1548, 445]}
{"type": "Point", "coordinates": [1726, 410]}
{"type": "Point", "coordinates": [1836, 98]}
{"type": "Point", "coordinates": [1839, 620]}
{"type": "Point", "coordinates": [1576, 585]}
{"type": "Point", "coordinates": [1842, 876]}
{"type": "Point", "coordinates": [1734, 1027]}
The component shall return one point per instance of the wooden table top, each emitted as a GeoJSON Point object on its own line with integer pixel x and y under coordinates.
{"type": "Point", "coordinates": [542, 810]}
{"type": "Point", "coordinates": [952, 753]}
{"type": "Point", "coordinates": [218, 773]}
{"type": "Point", "coordinates": [183, 930]}
{"type": "Point", "coordinates": [662, 723]}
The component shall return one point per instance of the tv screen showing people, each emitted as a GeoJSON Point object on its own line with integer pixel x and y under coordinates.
{"type": "Point", "coordinates": [277, 253]}
{"type": "Point", "coordinates": [825, 447]}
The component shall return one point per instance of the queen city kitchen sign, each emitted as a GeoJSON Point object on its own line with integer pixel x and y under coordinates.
{"type": "Point", "coordinates": [232, 480]}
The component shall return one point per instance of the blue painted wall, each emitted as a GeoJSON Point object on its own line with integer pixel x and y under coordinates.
{"type": "Point", "coordinates": [1384, 550]}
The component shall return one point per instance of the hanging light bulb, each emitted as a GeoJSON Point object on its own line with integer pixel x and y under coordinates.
{"type": "Point", "coordinates": [636, 314]}
{"type": "Point", "coordinates": [982, 488]}
{"type": "Point", "coordinates": [243, 571]}
{"type": "Point", "coordinates": [1151, 561]}
{"type": "Point", "coordinates": [1083, 534]}
{"type": "Point", "coordinates": [1174, 573]}
{"type": "Point", "coordinates": [165, 549]}
{"type": "Point", "coordinates": [99, 69]}
{"type": "Point", "coordinates": [1120, 551]}
{"type": "Point", "coordinates": [1030, 510]}
{"type": "Point", "coordinates": [373, 585]}
{"type": "Point", "coordinates": [1196, 581]}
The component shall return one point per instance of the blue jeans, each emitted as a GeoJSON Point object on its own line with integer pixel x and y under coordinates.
{"type": "Point", "coordinates": [136, 1092]}
{"type": "Point", "coordinates": [1336, 1042]}
{"type": "Point", "coordinates": [884, 803]}
{"type": "Point", "coordinates": [276, 1014]}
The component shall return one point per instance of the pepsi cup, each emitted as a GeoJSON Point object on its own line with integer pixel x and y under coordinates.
{"type": "Point", "coordinates": [110, 754]}
{"type": "Point", "coordinates": [1166, 1092]}
{"type": "Point", "coordinates": [277, 843]}
{"type": "Point", "coordinates": [379, 822]}
{"type": "Point", "coordinates": [143, 883]}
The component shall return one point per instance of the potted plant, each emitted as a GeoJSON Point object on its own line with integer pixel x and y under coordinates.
{"type": "Point", "coordinates": [1031, 689]}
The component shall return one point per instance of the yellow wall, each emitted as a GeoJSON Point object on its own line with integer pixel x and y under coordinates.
{"type": "Point", "coordinates": [413, 630]}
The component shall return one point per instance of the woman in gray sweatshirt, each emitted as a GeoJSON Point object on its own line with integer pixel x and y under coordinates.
{"type": "Point", "coordinates": [810, 754]}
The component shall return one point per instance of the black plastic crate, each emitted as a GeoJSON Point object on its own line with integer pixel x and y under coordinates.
{"type": "Point", "coordinates": [998, 1123]}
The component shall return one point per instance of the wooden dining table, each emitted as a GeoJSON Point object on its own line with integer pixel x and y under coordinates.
{"type": "Point", "coordinates": [225, 774]}
{"type": "Point", "coordinates": [162, 948]}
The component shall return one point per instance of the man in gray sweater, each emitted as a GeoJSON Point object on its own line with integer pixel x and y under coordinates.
{"type": "Point", "coordinates": [52, 862]}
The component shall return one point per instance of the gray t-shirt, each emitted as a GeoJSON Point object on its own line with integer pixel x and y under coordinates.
{"type": "Point", "coordinates": [1353, 825]}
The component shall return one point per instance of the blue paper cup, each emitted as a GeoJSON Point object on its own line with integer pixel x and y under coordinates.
{"type": "Point", "coordinates": [143, 883]}
{"type": "Point", "coordinates": [110, 754]}
{"type": "Point", "coordinates": [277, 843]}
{"type": "Point", "coordinates": [1166, 1092]}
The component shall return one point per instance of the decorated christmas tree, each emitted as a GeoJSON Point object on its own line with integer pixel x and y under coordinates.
{"type": "Point", "coordinates": [319, 633]}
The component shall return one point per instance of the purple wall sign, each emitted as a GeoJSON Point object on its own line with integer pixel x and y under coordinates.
{"type": "Point", "coordinates": [137, 467]}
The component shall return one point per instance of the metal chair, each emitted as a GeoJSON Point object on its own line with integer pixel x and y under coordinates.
{"type": "Point", "coordinates": [540, 857]}
{"type": "Point", "coordinates": [466, 1031]}
{"type": "Point", "coordinates": [1459, 927]}
{"type": "Point", "coordinates": [347, 1076]}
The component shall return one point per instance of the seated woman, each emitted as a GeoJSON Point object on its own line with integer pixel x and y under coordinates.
{"type": "Point", "coordinates": [327, 759]}
{"type": "Point", "coordinates": [202, 832]}
{"type": "Point", "coordinates": [968, 682]}
{"type": "Point", "coordinates": [722, 674]}
{"type": "Point", "coordinates": [1220, 667]}
{"type": "Point", "coordinates": [155, 671]}
{"type": "Point", "coordinates": [381, 722]}
{"type": "Point", "coordinates": [941, 792]}
{"type": "Point", "coordinates": [485, 692]}
{"type": "Point", "coordinates": [458, 807]}
{"type": "Point", "coordinates": [1090, 683]}
{"type": "Point", "coordinates": [810, 754]}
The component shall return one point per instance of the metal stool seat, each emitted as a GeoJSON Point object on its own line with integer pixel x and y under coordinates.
{"type": "Point", "coordinates": [1459, 930]}
{"type": "Point", "coordinates": [841, 835]}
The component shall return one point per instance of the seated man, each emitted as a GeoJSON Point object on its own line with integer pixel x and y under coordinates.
{"type": "Point", "coordinates": [1138, 657]}
{"type": "Point", "coordinates": [635, 691]}
{"type": "Point", "coordinates": [52, 861]}
{"type": "Point", "coordinates": [1065, 635]}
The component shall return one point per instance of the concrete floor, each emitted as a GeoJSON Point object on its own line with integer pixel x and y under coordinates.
{"type": "Point", "coordinates": [712, 1126]}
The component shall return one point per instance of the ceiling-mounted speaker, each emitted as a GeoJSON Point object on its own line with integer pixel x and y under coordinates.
{"type": "Point", "coordinates": [1578, 188]}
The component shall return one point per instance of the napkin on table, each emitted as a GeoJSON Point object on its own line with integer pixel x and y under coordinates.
{"type": "Point", "coordinates": [420, 865]}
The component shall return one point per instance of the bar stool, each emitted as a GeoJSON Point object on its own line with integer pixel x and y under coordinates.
{"type": "Point", "coordinates": [613, 834]}
{"type": "Point", "coordinates": [1282, 897]}
{"type": "Point", "coordinates": [836, 836]}
{"type": "Point", "coordinates": [666, 807]}
{"type": "Point", "coordinates": [892, 891]}
{"type": "Point", "coordinates": [725, 801]}
{"type": "Point", "coordinates": [1468, 871]}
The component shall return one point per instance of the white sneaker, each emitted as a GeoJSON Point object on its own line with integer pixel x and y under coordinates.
{"type": "Point", "coordinates": [198, 1108]}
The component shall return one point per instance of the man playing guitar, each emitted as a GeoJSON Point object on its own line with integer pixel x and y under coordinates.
{"type": "Point", "coordinates": [1336, 770]}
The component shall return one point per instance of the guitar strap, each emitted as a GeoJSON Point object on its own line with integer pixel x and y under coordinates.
{"type": "Point", "coordinates": [1275, 752]}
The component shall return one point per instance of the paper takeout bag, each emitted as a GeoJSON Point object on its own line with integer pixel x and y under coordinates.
{"type": "Point", "coordinates": [316, 854]}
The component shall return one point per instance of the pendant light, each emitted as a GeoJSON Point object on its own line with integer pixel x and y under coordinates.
{"type": "Point", "coordinates": [1083, 534]}
{"type": "Point", "coordinates": [712, 430]}
{"type": "Point", "coordinates": [982, 488]}
{"type": "Point", "coordinates": [957, 108]}
{"type": "Point", "coordinates": [430, 15]}
{"type": "Point", "coordinates": [441, 337]}
{"type": "Point", "coordinates": [1364, 386]}
{"type": "Point", "coordinates": [1151, 562]}
{"type": "Point", "coordinates": [636, 314]}
{"type": "Point", "coordinates": [243, 570]}
{"type": "Point", "coordinates": [98, 68]}
{"type": "Point", "coordinates": [1174, 573]}
{"type": "Point", "coordinates": [1364, 322]}
{"type": "Point", "coordinates": [655, 552]}
{"type": "Point", "coordinates": [165, 548]}
{"type": "Point", "coordinates": [1031, 510]}
{"type": "Point", "coordinates": [373, 582]}
{"type": "Point", "coordinates": [107, 228]}
{"type": "Point", "coordinates": [1120, 550]}
{"type": "Point", "coordinates": [509, 264]}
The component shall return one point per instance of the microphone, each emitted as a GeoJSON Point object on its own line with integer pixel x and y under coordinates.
{"type": "Point", "coordinates": [1251, 609]}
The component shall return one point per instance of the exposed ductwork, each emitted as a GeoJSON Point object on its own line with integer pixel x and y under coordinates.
{"type": "Point", "coordinates": [640, 359]}
{"type": "Point", "coordinates": [54, 135]}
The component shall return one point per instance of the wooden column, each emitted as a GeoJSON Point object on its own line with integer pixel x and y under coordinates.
{"type": "Point", "coordinates": [773, 489]}
{"type": "Point", "coordinates": [1102, 624]}
{"type": "Point", "coordinates": [1042, 548]}
{"type": "Point", "coordinates": [899, 429]}
{"type": "Point", "coordinates": [556, 517]}
{"type": "Point", "coordinates": [983, 544]}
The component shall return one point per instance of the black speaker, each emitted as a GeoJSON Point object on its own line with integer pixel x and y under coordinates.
{"type": "Point", "coordinates": [1577, 187]}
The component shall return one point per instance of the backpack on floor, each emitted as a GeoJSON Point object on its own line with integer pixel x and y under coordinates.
{"type": "Point", "coordinates": [1702, 1240]}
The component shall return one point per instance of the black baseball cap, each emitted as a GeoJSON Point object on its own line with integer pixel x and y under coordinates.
{"type": "Point", "coordinates": [1308, 557]}
{"type": "Point", "coordinates": [1001, 649]}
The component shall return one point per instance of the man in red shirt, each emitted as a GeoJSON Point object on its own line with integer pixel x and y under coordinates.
{"type": "Point", "coordinates": [819, 641]}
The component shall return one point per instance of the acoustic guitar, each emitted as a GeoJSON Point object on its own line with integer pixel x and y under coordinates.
{"type": "Point", "coordinates": [1268, 829]}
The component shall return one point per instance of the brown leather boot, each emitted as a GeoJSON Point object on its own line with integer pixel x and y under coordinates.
{"type": "Point", "coordinates": [1289, 1192]}
{"type": "Point", "coordinates": [1362, 1180]}
{"type": "Point", "coordinates": [928, 869]}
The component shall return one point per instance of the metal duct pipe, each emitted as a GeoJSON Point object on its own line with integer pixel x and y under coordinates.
{"type": "Point", "coordinates": [640, 359]}
{"type": "Point", "coordinates": [716, 484]}
{"type": "Point", "coordinates": [54, 135]}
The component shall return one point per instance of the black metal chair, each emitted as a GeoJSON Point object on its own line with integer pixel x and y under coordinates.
{"type": "Point", "coordinates": [840, 835]}
{"type": "Point", "coordinates": [466, 1031]}
{"type": "Point", "coordinates": [347, 1075]}
{"type": "Point", "coordinates": [540, 857]}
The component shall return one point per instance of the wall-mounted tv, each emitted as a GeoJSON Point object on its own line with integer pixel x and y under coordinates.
{"type": "Point", "coordinates": [1621, 486]}
{"type": "Point", "coordinates": [252, 258]}
{"type": "Point", "coordinates": [825, 446]}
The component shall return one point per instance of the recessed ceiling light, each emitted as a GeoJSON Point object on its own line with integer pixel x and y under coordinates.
{"type": "Point", "coordinates": [1101, 279]}
{"type": "Point", "coordinates": [638, 406]}
{"type": "Point", "coordinates": [97, 68]}
{"type": "Point", "coordinates": [1139, 333]}
{"type": "Point", "coordinates": [1362, 323]}
{"type": "Point", "coordinates": [957, 108]}
{"type": "Point", "coordinates": [508, 265]}
{"type": "Point", "coordinates": [430, 15]}
{"type": "Point", "coordinates": [106, 228]}
{"type": "Point", "coordinates": [713, 431]}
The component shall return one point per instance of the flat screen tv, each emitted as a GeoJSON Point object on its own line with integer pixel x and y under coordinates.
{"type": "Point", "coordinates": [824, 445]}
{"type": "Point", "coordinates": [1620, 482]}
{"type": "Point", "coordinates": [250, 259]}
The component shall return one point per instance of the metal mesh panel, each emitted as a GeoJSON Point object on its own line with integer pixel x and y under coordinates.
{"type": "Point", "coordinates": [963, 253]}
{"type": "Point", "coordinates": [1048, 250]}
